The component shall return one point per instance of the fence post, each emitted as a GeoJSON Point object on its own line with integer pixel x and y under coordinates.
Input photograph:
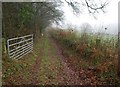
{"type": "Point", "coordinates": [8, 47]}
{"type": "Point", "coordinates": [32, 43]}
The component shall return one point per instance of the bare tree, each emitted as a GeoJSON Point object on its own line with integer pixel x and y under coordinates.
{"type": "Point", "coordinates": [93, 6]}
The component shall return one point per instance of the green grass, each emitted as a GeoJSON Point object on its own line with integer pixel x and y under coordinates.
{"type": "Point", "coordinates": [49, 61]}
{"type": "Point", "coordinates": [48, 71]}
{"type": "Point", "coordinates": [10, 66]}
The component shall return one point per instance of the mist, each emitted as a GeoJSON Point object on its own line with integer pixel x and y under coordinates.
{"type": "Point", "coordinates": [108, 20]}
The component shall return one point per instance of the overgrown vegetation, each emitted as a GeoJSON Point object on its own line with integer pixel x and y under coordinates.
{"type": "Point", "coordinates": [87, 51]}
{"type": "Point", "coordinates": [10, 66]}
{"type": "Point", "coordinates": [97, 52]}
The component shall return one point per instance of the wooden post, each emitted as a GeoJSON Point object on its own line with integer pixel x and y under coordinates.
{"type": "Point", "coordinates": [4, 46]}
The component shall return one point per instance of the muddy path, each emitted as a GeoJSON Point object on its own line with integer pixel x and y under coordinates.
{"type": "Point", "coordinates": [49, 67]}
{"type": "Point", "coordinates": [73, 77]}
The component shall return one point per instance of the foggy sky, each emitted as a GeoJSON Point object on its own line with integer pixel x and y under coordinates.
{"type": "Point", "coordinates": [108, 19]}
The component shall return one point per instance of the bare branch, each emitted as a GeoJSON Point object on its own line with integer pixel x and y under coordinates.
{"type": "Point", "coordinates": [93, 8]}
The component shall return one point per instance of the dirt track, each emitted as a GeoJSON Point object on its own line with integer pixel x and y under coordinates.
{"type": "Point", "coordinates": [48, 68]}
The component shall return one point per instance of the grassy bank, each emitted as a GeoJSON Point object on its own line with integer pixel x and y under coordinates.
{"type": "Point", "coordinates": [90, 51]}
{"type": "Point", "coordinates": [11, 66]}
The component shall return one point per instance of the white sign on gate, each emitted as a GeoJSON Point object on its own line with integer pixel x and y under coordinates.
{"type": "Point", "coordinates": [20, 46]}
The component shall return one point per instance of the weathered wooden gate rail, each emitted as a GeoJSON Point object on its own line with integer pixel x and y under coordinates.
{"type": "Point", "coordinates": [20, 46]}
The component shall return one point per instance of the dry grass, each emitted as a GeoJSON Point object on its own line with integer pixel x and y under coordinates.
{"type": "Point", "coordinates": [93, 50]}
